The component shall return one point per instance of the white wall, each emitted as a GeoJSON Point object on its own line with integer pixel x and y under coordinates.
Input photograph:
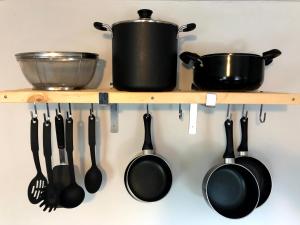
{"type": "Point", "coordinates": [34, 25]}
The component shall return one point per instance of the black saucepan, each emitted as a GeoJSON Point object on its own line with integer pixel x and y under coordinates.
{"type": "Point", "coordinates": [148, 177]}
{"type": "Point", "coordinates": [259, 170]}
{"type": "Point", "coordinates": [229, 71]}
{"type": "Point", "coordinates": [231, 189]}
{"type": "Point", "coordinates": [144, 52]}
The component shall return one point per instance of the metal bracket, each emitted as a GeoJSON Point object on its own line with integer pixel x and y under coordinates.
{"type": "Point", "coordinates": [103, 98]}
{"type": "Point", "coordinates": [193, 119]}
{"type": "Point", "coordinates": [211, 100]}
{"type": "Point", "coordinates": [114, 118]}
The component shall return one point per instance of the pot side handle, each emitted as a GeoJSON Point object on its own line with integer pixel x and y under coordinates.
{"type": "Point", "coordinates": [187, 57]}
{"type": "Point", "coordinates": [102, 26]}
{"type": "Point", "coordinates": [186, 28]}
{"type": "Point", "coordinates": [270, 55]}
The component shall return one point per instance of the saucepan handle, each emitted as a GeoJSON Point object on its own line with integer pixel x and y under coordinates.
{"type": "Point", "coordinates": [102, 26]}
{"type": "Point", "coordinates": [187, 27]}
{"type": "Point", "coordinates": [188, 57]}
{"type": "Point", "coordinates": [270, 55]}
{"type": "Point", "coordinates": [229, 152]}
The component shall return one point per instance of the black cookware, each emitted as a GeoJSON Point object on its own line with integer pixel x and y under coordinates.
{"type": "Point", "coordinates": [229, 71]}
{"type": "Point", "coordinates": [148, 177]}
{"type": "Point", "coordinates": [50, 195]}
{"type": "Point", "coordinates": [93, 177]}
{"type": "Point", "coordinates": [73, 195]}
{"type": "Point", "coordinates": [39, 182]}
{"type": "Point", "coordinates": [144, 52]}
{"type": "Point", "coordinates": [61, 176]}
{"type": "Point", "coordinates": [231, 189]}
{"type": "Point", "coordinates": [259, 170]}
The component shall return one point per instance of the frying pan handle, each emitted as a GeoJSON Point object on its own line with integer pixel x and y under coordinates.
{"type": "Point", "coordinates": [244, 140]}
{"type": "Point", "coordinates": [270, 55]}
{"type": "Point", "coordinates": [229, 152]}
{"type": "Point", "coordinates": [187, 57]}
{"type": "Point", "coordinates": [147, 123]}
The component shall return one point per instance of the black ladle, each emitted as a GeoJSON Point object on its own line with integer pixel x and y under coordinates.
{"type": "Point", "coordinates": [93, 177]}
{"type": "Point", "coordinates": [73, 195]}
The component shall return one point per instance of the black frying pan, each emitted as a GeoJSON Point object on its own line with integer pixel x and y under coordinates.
{"type": "Point", "coordinates": [259, 170]}
{"type": "Point", "coordinates": [231, 189]}
{"type": "Point", "coordinates": [148, 177]}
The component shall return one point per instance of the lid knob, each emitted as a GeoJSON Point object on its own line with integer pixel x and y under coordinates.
{"type": "Point", "coordinates": [145, 13]}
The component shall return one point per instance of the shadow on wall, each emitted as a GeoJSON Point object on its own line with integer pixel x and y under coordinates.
{"type": "Point", "coordinates": [181, 41]}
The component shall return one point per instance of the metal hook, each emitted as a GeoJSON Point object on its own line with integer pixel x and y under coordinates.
{"type": "Point", "coordinates": [92, 109]}
{"type": "Point", "coordinates": [243, 112]}
{"type": "Point", "coordinates": [58, 112]}
{"type": "Point", "coordinates": [262, 119]}
{"type": "Point", "coordinates": [228, 114]}
{"type": "Point", "coordinates": [180, 112]}
{"type": "Point", "coordinates": [69, 114]}
{"type": "Point", "coordinates": [48, 112]}
{"type": "Point", "coordinates": [34, 115]}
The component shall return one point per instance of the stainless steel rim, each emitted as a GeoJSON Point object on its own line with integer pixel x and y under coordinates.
{"type": "Point", "coordinates": [145, 21]}
{"type": "Point", "coordinates": [53, 55]}
{"type": "Point", "coordinates": [232, 54]}
{"type": "Point", "coordinates": [207, 178]}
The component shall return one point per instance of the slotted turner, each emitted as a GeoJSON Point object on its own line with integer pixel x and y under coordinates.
{"type": "Point", "coordinates": [39, 182]}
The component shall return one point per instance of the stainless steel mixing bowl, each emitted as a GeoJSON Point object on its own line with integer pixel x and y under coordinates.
{"type": "Point", "coordinates": [58, 70]}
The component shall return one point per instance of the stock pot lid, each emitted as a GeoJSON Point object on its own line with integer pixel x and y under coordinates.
{"type": "Point", "coordinates": [56, 55]}
{"type": "Point", "coordinates": [145, 17]}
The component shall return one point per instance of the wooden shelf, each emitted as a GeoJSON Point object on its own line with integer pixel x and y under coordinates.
{"type": "Point", "coordinates": [173, 97]}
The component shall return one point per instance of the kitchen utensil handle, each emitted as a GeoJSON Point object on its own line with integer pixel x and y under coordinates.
{"type": "Point", "coordinates": [270, 55]}
{"type": "Point", "coordinates": [145, 13]}
{"type": "Point", "coordinates": [34, 141]}
{"type": "Point", "coordinates": [47, 149]}
{"type": "Point", "coordinates": [147, 123]}
{"type": "Point", "coordinates": [102, 26]}
{"type": "Point", "coordinates": [69, 147]}
{"type": "Point", "coordinates": [244, 135]}
{"type": "Point", "coordinates": [187, 57]}
{"type": "Point", "coordinates": [188, 27]}
{"type": "Point", "coordinates": [60, 133]}
{"type": "Point", "coordinates": [229, 152]}
{"type": "Point", "coordinates": [60, 136]}
{"type": "Point", "coordinates": [92, 138]}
